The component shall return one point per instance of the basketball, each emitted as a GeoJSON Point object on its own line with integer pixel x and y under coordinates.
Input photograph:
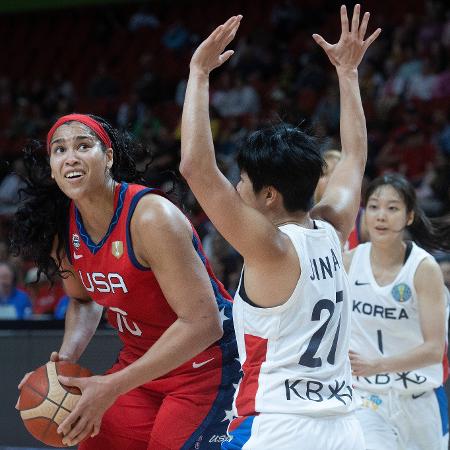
{"type": "Point", "coordinates": [44, 402]}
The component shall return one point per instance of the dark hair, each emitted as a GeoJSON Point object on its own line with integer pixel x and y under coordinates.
{"type": "Point", "coordinates": [287, 159]}
{"type": "Point", "coordinates": [44, 214]}
{"type": "Point", "coordinates": [432, 234]}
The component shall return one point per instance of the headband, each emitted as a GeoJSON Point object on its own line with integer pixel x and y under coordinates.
{"type": "Point", "coordinates": [84, 119]}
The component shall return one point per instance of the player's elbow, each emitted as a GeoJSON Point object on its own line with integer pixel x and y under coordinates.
{"type": "Point", "coordinates": [212, 328]}
{"type": "Point", "coordinates": [186, 167]}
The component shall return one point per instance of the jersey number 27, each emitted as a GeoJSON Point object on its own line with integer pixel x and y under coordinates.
{"type": "Point", "coordinates": [308, 358]}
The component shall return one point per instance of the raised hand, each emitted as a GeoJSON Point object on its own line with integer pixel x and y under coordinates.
{"type": "Point", "coordinates": [349, 51]}
{"type": "Point", "coordinates": [210, 54]}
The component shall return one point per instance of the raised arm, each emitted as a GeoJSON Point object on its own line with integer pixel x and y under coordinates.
{"type": "Point", "coordinates": [248, 231]}
{"type": "Point", "coordinates": [340, 202]}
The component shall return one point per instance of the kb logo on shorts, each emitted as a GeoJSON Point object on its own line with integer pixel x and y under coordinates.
{"type": "Point", "coordinates": [401, 292]}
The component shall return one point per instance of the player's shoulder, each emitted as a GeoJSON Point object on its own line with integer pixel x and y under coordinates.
{"type": "Point", "coordinates": [428, 266]}
{"type": "Point", "coordinates": [155, 213]}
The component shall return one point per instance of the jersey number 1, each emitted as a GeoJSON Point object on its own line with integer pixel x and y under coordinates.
{"type": "Point", "coordinates": [308, 359]}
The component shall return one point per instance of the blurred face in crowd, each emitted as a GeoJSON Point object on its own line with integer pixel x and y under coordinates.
{"type": "Point", "coordinates": [386, 216]}
{"type": "Point", "coordinates": [6, 280]}
{"type": "Point", "coordinates": [78, 161]}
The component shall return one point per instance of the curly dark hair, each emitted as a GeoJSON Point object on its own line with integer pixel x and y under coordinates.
{"type": "Point", "coordinates": [44, 214]}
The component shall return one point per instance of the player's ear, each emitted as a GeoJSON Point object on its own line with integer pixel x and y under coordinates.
{"type": "Point", "coordinates": [410, 218]}
{"type": "Point", "coordinates": [271, 195]}
{"type": "Point", "coordinates": [109, 158]}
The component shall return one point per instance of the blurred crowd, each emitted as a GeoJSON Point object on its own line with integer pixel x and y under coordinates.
{"type": "Point", "coordinates": [138, 78]}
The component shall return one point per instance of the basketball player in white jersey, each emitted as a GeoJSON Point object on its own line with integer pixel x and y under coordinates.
{"type": "Point", "coordinates": [292, 310]}
{"type": "Point", "coordinates": [399, 323]}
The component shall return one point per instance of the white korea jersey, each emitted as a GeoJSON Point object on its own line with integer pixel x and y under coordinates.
{"type": "Point", "coordinates": [385, 322]}
{"type": "Point", "coordinates": [295, 356]}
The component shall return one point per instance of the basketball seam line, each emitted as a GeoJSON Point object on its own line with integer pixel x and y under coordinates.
{"type": "Point", "coordinates": [52, 420]}
{"type": "Point", "coordinates": [44, 397]}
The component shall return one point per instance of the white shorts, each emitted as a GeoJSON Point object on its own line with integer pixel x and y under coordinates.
{"type": "Point", "coordinates": [294, 432]}
{"type": "Point", "coordinates": [404, 422]}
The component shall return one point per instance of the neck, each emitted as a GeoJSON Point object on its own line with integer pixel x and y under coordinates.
{"type": "Point", "coordinates": [97, 210]}
{"type": "Point", "coordinates": [301, 218]}
{"type": "Point", "coordinates": [389, 254]}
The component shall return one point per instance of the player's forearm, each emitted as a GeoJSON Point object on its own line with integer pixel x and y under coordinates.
{"type": "Point", "coordinates": [426, 354]}
{"type": "Point", "coordinates": [181, 342]}
{"type": "Point", "coordinates": [197, 147]}
{"type": "Point", "coordinates": [82, 319]}
{"type": "Point", "coordinates": [353, 122]}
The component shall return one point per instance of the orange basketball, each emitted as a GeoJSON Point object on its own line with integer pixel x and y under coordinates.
{"type": "Point", "coordinates": [44, 402]}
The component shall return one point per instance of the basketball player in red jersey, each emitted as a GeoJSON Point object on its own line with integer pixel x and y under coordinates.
{"type": "Point", "coordinates": [129, 249]}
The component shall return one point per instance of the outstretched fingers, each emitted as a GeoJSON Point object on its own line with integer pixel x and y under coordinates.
{"type": "Point", "coordinates": [344, 20]}
{"type": "Point", "coordinates": [227, 28]}
{"type": "Point", "coordinates": [321, 41]}
{"type": "Point", "coordinates": [225, 56]}
{"type": "Point", "coordinates": [372, 37]}
{"type": "Point", "coordinates": [363, 27]}
{"type": "Point", "coordinates": [355, 19]}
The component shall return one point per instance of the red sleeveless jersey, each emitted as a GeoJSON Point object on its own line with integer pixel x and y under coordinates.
{"type": "Point", "coordinates": [114, 278]}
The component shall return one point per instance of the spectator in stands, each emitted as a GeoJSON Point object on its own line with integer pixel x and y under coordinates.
{"type": "Point", "coordinates": [143, 18]}
{"type": "Point", "coordinates": [177, 36]}
{"type": "Point", "coordinates": [102, 84]}
{"type": "Point", "coordinates": [10, 189]}
{"type": "Point", "coordinates": [14, 303]}
{"type": "Point", "coordinates": [61, 308]}
{"type": "Point", "coordinates": [44, 297]}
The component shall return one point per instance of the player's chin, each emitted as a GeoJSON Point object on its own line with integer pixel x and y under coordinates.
{"type": "Point", "coordinates": [75, 190]}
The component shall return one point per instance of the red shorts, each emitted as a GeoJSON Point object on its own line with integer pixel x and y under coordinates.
{"type": "Point", "coordinates": [186, 409]}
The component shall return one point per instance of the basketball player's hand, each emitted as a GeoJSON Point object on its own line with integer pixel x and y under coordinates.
{"type": "Point", "coordinates": [85, 419]}
{"type": "Point", "coordinates": [210, 54]}
{"type": "Point", "coordinates": [364, 367]}
{"type": "Point", "coordinates": [349, 51]}
{"type": "Point", "coordinates": [54, 357]}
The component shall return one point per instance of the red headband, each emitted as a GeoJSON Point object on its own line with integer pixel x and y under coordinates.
{"type": "Point", "coordinates": [84, 119]}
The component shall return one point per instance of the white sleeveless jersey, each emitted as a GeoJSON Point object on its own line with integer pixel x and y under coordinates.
{"type": "Point", "coordinates": [295, 356]}
{"type": "Point", "coordinates": [385, 322]}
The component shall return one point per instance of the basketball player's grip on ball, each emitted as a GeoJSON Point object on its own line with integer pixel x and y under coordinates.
{"type": "Point", "coordinates": [45, 402]}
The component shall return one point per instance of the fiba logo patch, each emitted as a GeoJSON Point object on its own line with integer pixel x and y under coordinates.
{"type": "Point", "coordinates": [76, 240]}
{"type": "Point", "coordinates": [401, 292]}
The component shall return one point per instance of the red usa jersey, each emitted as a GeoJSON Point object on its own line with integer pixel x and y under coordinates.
{"type": "Point", "coordinates": [114, 278]}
